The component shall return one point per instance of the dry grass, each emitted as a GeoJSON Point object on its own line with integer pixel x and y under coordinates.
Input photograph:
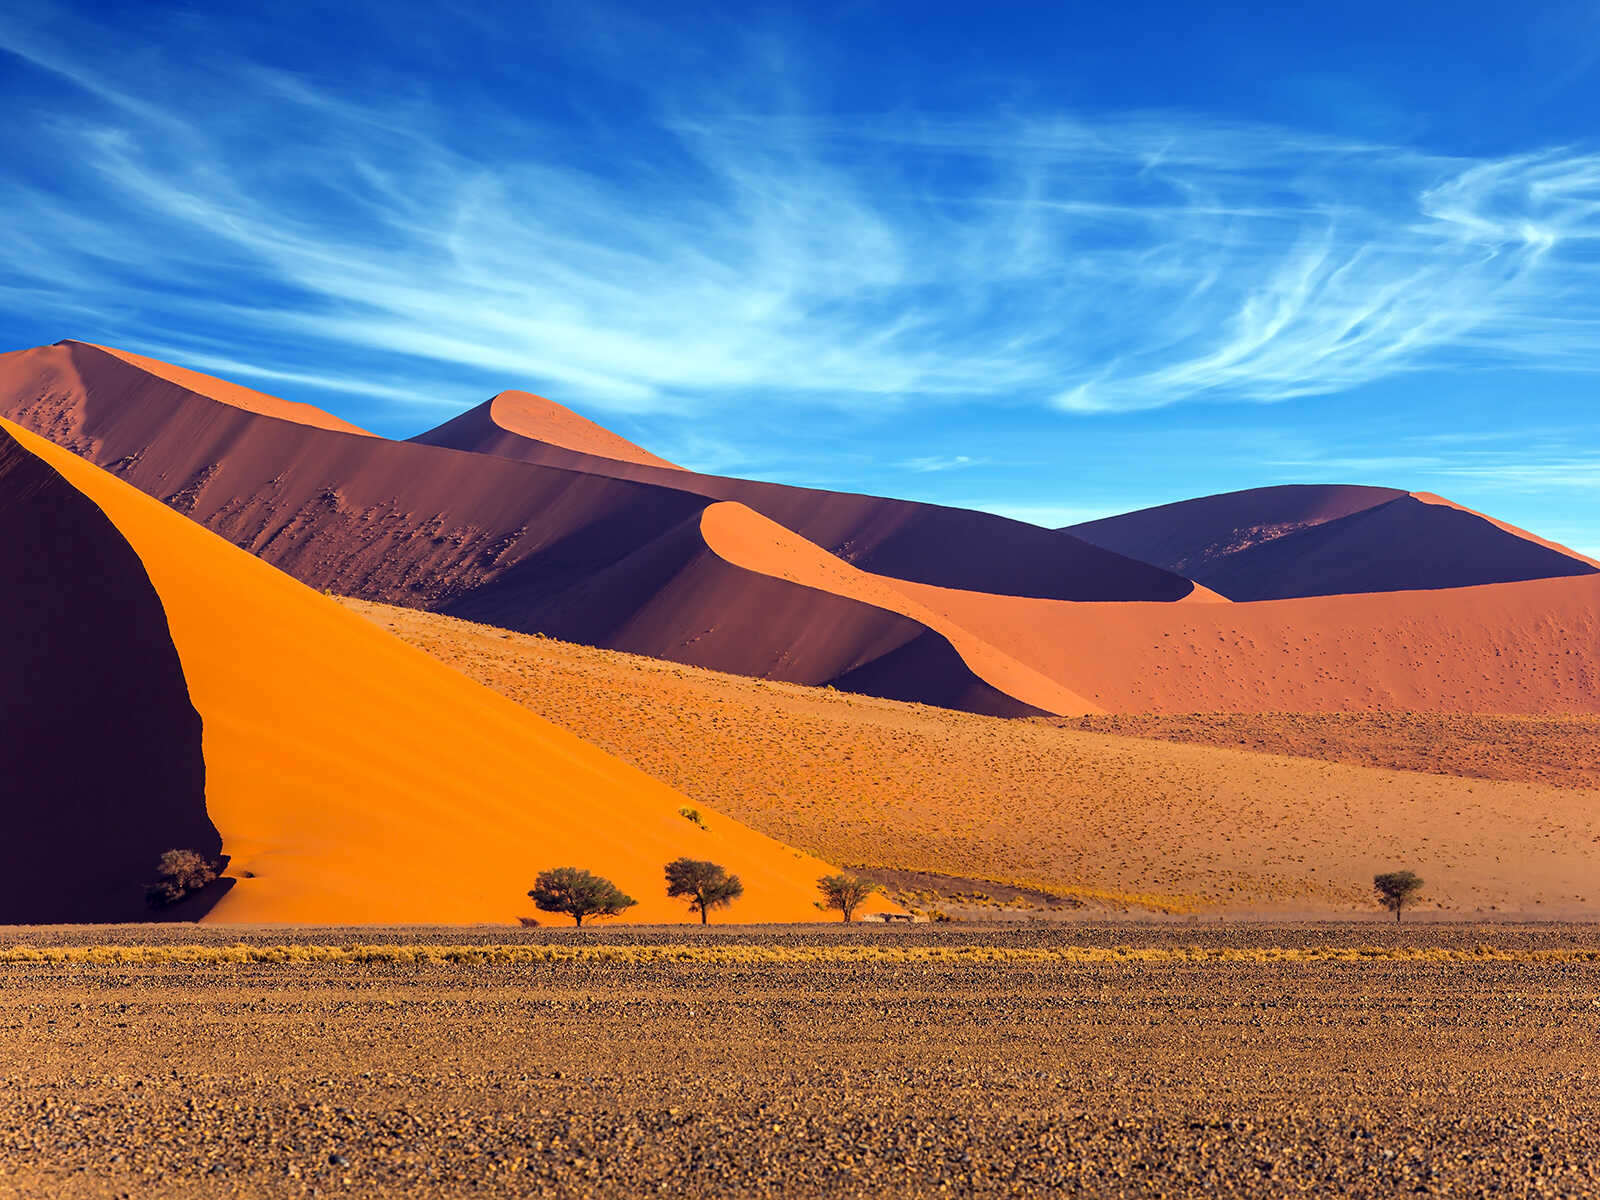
{"type": "Point", "coordinates": [1087, 820]}
{"type": "Point", "coordinates": [755, 954]}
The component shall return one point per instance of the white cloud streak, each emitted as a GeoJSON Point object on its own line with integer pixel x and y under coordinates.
{"type": "Point", "coordinates": [1107, 265]}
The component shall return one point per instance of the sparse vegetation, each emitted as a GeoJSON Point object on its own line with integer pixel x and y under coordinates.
{"type": "Point", "coordinates": [705, 884]}
{"type": "Point", "coordinates": [179, 873]}
{"type": "Point", "coordinates": [578, 893]}
{"type": "Point", "coordinates": [692, 815]}
{"type": "Point", "coordinates": [1396, 889]}
{"type": "Point", "coordinates": [845, 893]}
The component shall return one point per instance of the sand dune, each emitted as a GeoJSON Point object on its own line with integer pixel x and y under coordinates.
{"type": "Point", "coordinates": [539, 549]}
{"type": "Point", "coordinates": [1501, 648]}
{"type": "Point", "coordinates": [99, 744]}
{"type": "Point", "coordinates": [504, 424]}
{"type": "Point", "coordinates": [927, 543]}
{"type": "Point", "coordinates": [1090, 818]}
{"type": "Point", "coordinates": [747, 539]}
{"type": "Point", "coordinates": [1282, 542]}
{"type": "Point", "coordinates": [233, 394]}
{"type": "Point", "coordinates": [354, 779]}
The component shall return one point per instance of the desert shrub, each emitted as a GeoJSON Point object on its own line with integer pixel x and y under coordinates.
{"type": "Point", "coordinates": [692, 815]}
{"type": "Point", "coordinates": [1396, 889]}
{"type": "Point", "coordinates": [844, 892]}
{"type": "Point", "coordinates": [178, 873]}
{"type": "Point", "coordinates": [578, 894]}
{"type": "Point", "coordinates": [706, 885]}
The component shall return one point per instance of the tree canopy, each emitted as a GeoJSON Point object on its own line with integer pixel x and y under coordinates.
{"type": "Point", "coordinates": [178, 873]}
{"type": "Point", "coordinates": [578, 893]}
{"type": "Point", "coordinates": [706, 884]}
{"type": "Point", "coordinates": [844, 892]}
{"type": "Point", "coordinates": [1396, 889]}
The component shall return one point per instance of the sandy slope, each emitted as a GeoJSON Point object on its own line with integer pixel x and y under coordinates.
{"type": "Point", "coordinates": [749, 540]}
{"type": "Point", "coordinates": [904, 539]}
{"type": "Point", "coordinates": [354, 779]}
{"type": "Point", "coordinates": [886, 785]}
{"type": "Point", "coordinates": [1318, 540]}
{"type": "Point", "coordinates": [514, 418]}
{"type": "Point", "coordinates": [1500, 648]}
{"type": "Point", "coordinates": [100, 761]}
{"type": "Point", "coordinates": [233, 394]}
{"type": "Point", "coordinates": [582, 556]}
{"type": "Point", "coordinates": [1559, 750]}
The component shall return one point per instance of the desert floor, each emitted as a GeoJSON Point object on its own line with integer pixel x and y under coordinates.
{"type": "Point", "coordinates": [1122, 1060]}
{"type": "Point", "coordinates": [1256, 815]}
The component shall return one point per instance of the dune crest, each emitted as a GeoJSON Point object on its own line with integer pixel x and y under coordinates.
{"type": "Point", "coordinates": [232, 394]}
{"type": "Point", "coordinates": [530, 416]}
{"type": "Point", "coordinates": [354, 779]}
{"type": "Point", "coordinates": [747, 539]}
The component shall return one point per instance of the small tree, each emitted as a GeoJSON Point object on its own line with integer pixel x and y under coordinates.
{"type": "Point", "coordinates": [1396, 889]}
{"type": "Point", "coordinates": [179, 872]}
{"type": "Point", "coordinates": [706, 884]}
{"type": "Point", "coordinates": [578, 894]}
{"type": "Point", "coordinates": [844, 892]}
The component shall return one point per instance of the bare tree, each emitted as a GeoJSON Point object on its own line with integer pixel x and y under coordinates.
{"type": "Point", "coordinates": [844, 892]}
{"type": "Point", "coordinates": [706, 884]}
{"type": "Point", "coordinates": [1396, 889]}
{"type": "Point", "coordinates": [178, 873]}
{"type": "Point", "coordinates": [578, 894]}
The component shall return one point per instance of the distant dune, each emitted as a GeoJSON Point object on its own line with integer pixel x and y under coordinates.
{"type": "Point", "coordinates": [585, 557]}
{"type": "Point", "coordinates": [1281, 542]}
{"type": "Point", "coordinates": [926, 543]}
{"type": "Point", "coordinates": [351, 779]}
{"type": "Point", "coordinates": [522, 514]}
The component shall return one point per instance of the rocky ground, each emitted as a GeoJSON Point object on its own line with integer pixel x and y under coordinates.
{"type": "Point", "coordinates": [792, 1078]}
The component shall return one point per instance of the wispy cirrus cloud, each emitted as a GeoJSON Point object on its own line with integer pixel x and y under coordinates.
{"type": "Point", "coordinates": [734, 247]}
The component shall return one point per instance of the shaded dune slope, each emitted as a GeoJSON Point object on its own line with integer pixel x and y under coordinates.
{"type": "Point", "coordinates": [537, 549]}
{"type": "Point", "coordinates": [99, 746]}
{"type": "Point", "coordinates": [1283, 542]}
{"type": "Point", "coordinates": [354, 779]}
{"type": "Point", "coordinates": [926, 543]}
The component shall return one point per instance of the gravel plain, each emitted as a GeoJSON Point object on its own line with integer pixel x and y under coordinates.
{"type": "Point", "coordinates": [1390, 1076]}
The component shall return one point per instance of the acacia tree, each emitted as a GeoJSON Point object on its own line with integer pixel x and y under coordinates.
{"type": "Point", "coordinates": [179, 872]}
{"type": "Point", "coordinates": [844, 892]}
{"type": "Point", "coordinates": [1396, 889]}
{"type": "Point", "coordinates": [706, 884]}
{"type": "Point", "coordinates": [578, 894]}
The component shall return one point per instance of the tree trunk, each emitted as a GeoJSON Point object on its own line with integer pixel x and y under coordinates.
{"type": "Point", "coordinates": [703, 914]}
{"type": "Point", "coordinates": [1397, 914]}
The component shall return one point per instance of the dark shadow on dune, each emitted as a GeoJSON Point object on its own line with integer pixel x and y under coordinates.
{"type": "Point", "coordinates": [100, 752]}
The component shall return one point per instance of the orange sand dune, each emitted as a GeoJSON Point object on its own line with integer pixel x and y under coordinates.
{"type": "Point", "coordinates": [959, 803]}
{"type": "Point", "coordinates": [354, 779]}
{"type": "Point", "coordinates": [745, 538]}
{"type": "Point", "coordinates": [1497, 648]}
{"type": "Point", "coordinates": [233, 394]}
{"type": "Point", "coordinates": [530, 416]}
{"type": "Point", "coordinates": [514, 421]}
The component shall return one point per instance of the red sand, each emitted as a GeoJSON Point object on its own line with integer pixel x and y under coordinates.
{"type": "Point", "coordinates": [356, 780]}
{"type": "Point", "coordinates": [513, 418]}
{"type": "Point", "coordinates": [1283, 542]}
{"type": "Point", "coordinates": [233, 394]}
{"type": "Point", "coordinates": [928, 543]}
{"type": "Point", "coordinates": [584, 557]}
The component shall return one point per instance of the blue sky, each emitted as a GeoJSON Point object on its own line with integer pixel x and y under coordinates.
{"type": "Point", "coordinates": [1052, 260]}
